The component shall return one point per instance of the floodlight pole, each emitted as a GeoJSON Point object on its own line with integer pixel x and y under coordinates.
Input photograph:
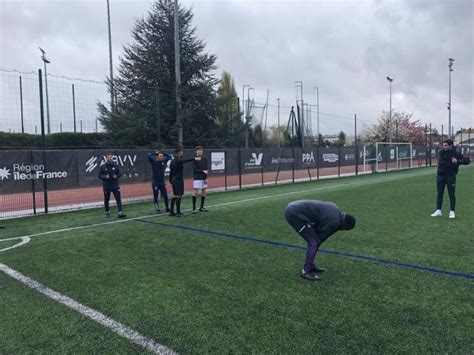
{"type": "Point", "coordinates": [450, 66]}
{"type": "Point", "coordinates": [390, 114]}
{"type": "Point", "coordinates": [177, 62]}
{"type": "Point", "coordinates": [46, 61]}
{"type": "Point", "coordinates": [278, 128]}
{"type": "Point", "coordinates": [112, 96]}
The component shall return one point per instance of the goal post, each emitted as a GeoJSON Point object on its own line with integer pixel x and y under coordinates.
{"type": "Point", "coordinates": [393, 155]}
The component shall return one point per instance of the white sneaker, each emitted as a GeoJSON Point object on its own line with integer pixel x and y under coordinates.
{"type": "Point", "coordinates": [437, 213]}
{"type": "Point", "coordinates": [452, 215]}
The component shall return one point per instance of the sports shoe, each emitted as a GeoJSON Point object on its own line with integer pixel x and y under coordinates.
{"type": "Point", "coordinates": [314, 268]}
{"type": "Point", "coordinates": [309, 276]}
{"type": "Point", "coordinates": [437, 213]}
{"type": "Point", "coordinates": [203, 209]}
{"type": "Point", "coordinates": [157, 209]}
{"type": "Point", "coordinates": [195, 211]}
{"type": "Point", "coordinates": [180, 215]}
{"type": "Point", "coordinates": [452, 215]}
{"type": "Point", "coordinates": [121, 215]}
{"type": "Point", "coordinates": [172, 214]}
{"type": "Point", "coordinates": [107, 214]}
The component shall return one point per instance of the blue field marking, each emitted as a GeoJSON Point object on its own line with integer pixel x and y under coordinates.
{"type": "Point", "coordinates": [298, 247]}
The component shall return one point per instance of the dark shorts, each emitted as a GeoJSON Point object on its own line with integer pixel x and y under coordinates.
{"type": "Point", "coordinates": [178, 186]}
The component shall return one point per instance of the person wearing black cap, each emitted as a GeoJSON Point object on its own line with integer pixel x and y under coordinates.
{"type": "Point", "coordinates": [315, 221]}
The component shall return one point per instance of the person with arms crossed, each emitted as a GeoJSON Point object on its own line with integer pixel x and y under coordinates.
{"type": "Point", "coordinates": [177, 180]}
{"type": "Point", "coordinates": [158, 161]}
{"type": "Point", "coordinates": [315, 221]}
{"type": "Point", "coordinates": [448, 165]}
{"type": "Point", "coordinates": [110, 173]}
{"type": "Point", "coordinates": [199, 179]}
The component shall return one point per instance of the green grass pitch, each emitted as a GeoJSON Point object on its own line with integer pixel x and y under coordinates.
{"type": "Point", "coordinates": [195, 292]}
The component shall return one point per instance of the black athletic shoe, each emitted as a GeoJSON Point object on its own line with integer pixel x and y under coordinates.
{"type": "Point", "coordinates": [314, 268]}
{"type": "Point", "coordinates": [107, 214]}
{"type": "Point", "coordinates": [180, 215]}
{"type": "Point", "coordinates": [121, 215]}
{"type": "Point", "coordinates": [309, 276]}
{"type": "Point", "coordinates": [195, 211]}
{"type": "Point", "coordinates": [203, 209]}
{"type": "Point", "coordinates": [172, 214]}
{"type": "Point", "coordinates": [157, 209]}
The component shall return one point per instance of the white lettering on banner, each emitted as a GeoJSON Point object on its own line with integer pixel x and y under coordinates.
{"type": "Point", "coordinates": [282, 160]}
{"type": "Point", "coordinates": [217, 161]}
{"type": "Point", "coordinates": [307, 158]}
{"type": "Point", "coordinates": [92, 163]}
{"type": "Point", "coordinates": [392, 153]}
{"type": "Point", "coordinates": [349, 157]}
{"type": "Point", "coordinates": [254, 161]}
{"type": "Point", "coordinates": [21, 172]}
{"type": "Point", "coordinates": [330, 158]}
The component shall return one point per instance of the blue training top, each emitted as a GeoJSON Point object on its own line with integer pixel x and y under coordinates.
{"type": "Point", "coordinates": [158, 166]}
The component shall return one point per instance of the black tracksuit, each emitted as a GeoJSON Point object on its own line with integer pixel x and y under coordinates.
{"type": "Point", "coordinates": [110, 174]}
{"type": "Point", "coordinates": [315, 221]}
{"type": "Point", "coordinates": [158, 179]}
{"type": "Point", "coordinates": [176, 175]}
{"type": "Point", "coordinates": [446, 175]}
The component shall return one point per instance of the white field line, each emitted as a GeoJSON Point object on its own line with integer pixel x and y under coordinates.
{"type": "Point", "coordinates": [90, 313]}
{"type": "Point", "coordinates": [337, 186]}
{"type": "Point", "coordinates": [24, 240]}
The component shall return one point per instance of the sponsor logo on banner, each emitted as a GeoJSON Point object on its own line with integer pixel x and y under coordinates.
{"type": "Point", "coordinates": [330, 158]}
{"type": "Point", "coordinates": [255, 161]}
{"type": "Point", "coordinates": [279, 160]}
{"type": "Point", "coordinates": [413, 153]}
{"type": "Point", "coordinates": [392, 153]}
{"type": "Point", "coordinates": [4, 173]}
{"type": "Point", "coordinates": [350, 156]}
{"type": "Point", "coordinates": [402, 154]}
{"type": "Point", "coordinates": [93, 162]}
{"type": "Point", "coordinates": [217, 161]}
{"type": "Point", "coordinates": [21, 172]}
{"type": "Point", "coordinates": [308, 158]}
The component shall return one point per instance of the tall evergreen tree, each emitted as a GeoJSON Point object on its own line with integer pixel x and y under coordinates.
{"type": "Point", "coordinates": [148, 64]}
{"type": "Point", "coordinates": [228, 118]}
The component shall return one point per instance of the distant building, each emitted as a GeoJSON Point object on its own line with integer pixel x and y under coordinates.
{"type": "Point", "coordinates": [464, 137]}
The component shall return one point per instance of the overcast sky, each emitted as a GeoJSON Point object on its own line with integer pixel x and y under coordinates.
{"type": "Point", "coordinates": [346, 48]}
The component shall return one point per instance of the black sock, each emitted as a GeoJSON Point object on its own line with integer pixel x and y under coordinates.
{"type": "Point", "coordinates": [194, 202]}
{"type": "Point", "coordinates": [166, 202]}
{"type": "Point", "coordinates": [173, 200]}
{"type": "Point", "coordinates": [178, 205]}
{"type": "Point", "coordinates": [202, 201]}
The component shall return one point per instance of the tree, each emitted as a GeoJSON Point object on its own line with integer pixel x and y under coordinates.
{"type": "Point", "coordinates": [401, 128]}
{"type": "Point", "coordinates": [341, 139]}
{"type": "Point", "coordinates": [228, 118]}
{"type": "Point", "coordinates": [146, 74]}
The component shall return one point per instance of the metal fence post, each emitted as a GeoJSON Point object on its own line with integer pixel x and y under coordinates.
{"type": "Point", "coordinates": [45, 180]}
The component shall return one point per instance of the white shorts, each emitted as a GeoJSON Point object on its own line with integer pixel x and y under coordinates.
{"type": "Point", "coordinates": [199, 184]}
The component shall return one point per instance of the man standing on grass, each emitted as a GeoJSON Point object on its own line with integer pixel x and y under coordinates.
{"type": "Point", "coordinates": [158, 161]}
{"type": "Point", "coordinates": [315, 221]}
{"type": "Point", "coordinates": [177, 180]}
{"type": "Point", "coordinates": [109, 173]}
{"type": "Point", "coordinates": [199, 179]}
{"type": "Point", "coordinates": [448, 165]}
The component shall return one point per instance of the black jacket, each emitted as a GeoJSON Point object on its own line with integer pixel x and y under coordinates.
{"type": "Point", "coordinates": [324, 217]}
{"type": "Point", "coordinates": [113, 172]}
{"type": "Point", "coordinates": [176, 168]}
{"type": "Point", "coordinates": [446, 167]}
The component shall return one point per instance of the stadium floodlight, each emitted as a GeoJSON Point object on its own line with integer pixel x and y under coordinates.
{"type": "Point", "coordinates": [46, 61]}
{"type": "Point", "coordinates": [450, 66]}
{"type": "Point", "coordinates": [390, 113]}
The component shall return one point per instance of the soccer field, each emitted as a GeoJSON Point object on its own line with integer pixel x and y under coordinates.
{"type": "Point", "coordinates": [228, 281]}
